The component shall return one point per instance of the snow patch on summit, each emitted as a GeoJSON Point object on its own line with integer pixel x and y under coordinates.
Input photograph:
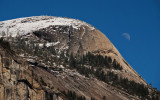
{"type": "Point", "coordinates": [26, 25]}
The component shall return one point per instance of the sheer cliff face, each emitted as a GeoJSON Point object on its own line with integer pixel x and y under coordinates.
{"type": "Point", "coordinates": [65, 35]}
{"type": "Point", "coordinates": [20, 80]}
{"type": "Point", "coordinates": [83, 39]}
{"type": "Point", "coordinates": [77, 37]}
{"type": "Point", "coordinates": [16, 79]}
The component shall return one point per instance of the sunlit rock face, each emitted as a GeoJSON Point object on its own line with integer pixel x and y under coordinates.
{"type": "Point", "coordinates": [28, 76]}
{"type": "Point", "coordinates": [75, 36]}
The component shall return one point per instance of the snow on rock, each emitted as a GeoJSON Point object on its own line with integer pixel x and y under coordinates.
{"type": "Point", "coordinates": [49, 44]}
{"type": "Point", "coordinates": [52, 44]}
{"type": "Point", "coordinates": [26, 25]}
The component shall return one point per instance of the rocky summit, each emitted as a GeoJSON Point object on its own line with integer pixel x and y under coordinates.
{"type": "Point", "coordinates": [55, 58]}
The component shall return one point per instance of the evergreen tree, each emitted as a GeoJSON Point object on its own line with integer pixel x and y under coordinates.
{"type": "Point", "coordinates": [72, 62]}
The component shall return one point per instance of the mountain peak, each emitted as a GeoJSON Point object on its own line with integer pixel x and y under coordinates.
{"type": "Point", "coordinates": [75, 36]}
{"type": "Point", "coordinates": [30, 24]}
{"type": "Point", "coordinates": [53, 55]}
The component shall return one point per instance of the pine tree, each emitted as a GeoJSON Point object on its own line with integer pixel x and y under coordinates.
{"type": "Point", "coordinates": [72, 62]}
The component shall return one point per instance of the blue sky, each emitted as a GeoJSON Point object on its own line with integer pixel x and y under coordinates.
{"type": "Point", "coordinates": [133, 26]}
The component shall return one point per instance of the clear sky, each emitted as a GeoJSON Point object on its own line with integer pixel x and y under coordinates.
{"type": "Point", "coordinates": [133, 26]}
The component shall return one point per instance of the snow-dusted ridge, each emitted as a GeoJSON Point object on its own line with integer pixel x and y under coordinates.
{"type": "Point", "coordinates": [29, 24]}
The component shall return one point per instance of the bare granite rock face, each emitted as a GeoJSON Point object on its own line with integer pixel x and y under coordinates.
{"type": "Point", "coordinates": [75, 36]}
{"type": "Point", "coordinates": [83, 40]}
{"type": "Point", "coordinates": [27, 75]}
{"type": "Point", "coordinates": [22, 81]}
{"type": "Point", "coordinates": [17, 81]}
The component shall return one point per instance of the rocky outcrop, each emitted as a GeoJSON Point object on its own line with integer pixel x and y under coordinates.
{"type": "Point", "coordinates": [74, 36]}
{"type": "Point", "coordinates": [17, 80]}
{"type": "Point", "coordinates": [82, 40]}
{"type": "Point", "coordinates": [22, 80]}
{"type": "Point", "coordinates": [38, 72]}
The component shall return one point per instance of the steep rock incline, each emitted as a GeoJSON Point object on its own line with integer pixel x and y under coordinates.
{"type": "Point", "coordinates": [20, 80]}
{"type": "Point", "coordinates": [74, 36]}
{"type": "Point", "coordinates": [59, 56]}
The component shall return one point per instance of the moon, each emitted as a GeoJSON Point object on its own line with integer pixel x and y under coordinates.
{"type": "Point", "coordinates": [126, 35]}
